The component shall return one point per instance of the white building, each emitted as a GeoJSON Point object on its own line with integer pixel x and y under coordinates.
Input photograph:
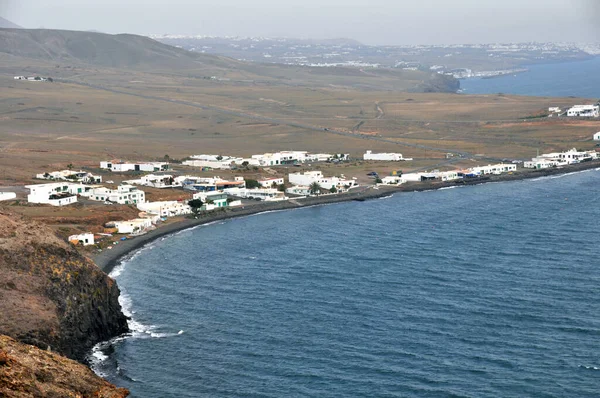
{"type": "Point", "coordinates": [597, 136]}
{"type": "Point", "coordinates": [584, 111]}
{"type": "Point", "coordinates": [448, 175]}
{"type": "Point", "coordinates": [124, 194]}
{"type": "Point", "coordinates": [85, 239]}
{"type": "Point", "coordinates": [7, 196]}
{"type": "Point", "coordinates": [494, 169]}
{"type": "Point", "coordinates": [554, 109]}
{"type": "Point", "coordinates": [266, 194]}
{"type": "Point", "coordinates": [157, 181]}
{"type": "Point", "coordinates": [120, 167]}
{"type": "Point", "coordinates": [166, 208]}
{"type": "Point", "coordinates": [392, 180]}
{"type": "Point", "coordinates": [135, 226]}
{"type": "Point", "coordinates": [71, 175]}
{"type": "Point", "coordinates": [213, 161]}
{"type": "Point", "coordinates": [203, 184]}
{"type": "Point", "coordinates": [389, 157]}
{"type": "Point", "coordinates": [555, 159]}
{"type": "Point", "coordinates": [309, 177]}
{"type": "Point", "coordinates": [55, 194]}
{"type": "Point", "coordinates": [302, 190]}
{"type": "Point", "coordinates": [269, 182]}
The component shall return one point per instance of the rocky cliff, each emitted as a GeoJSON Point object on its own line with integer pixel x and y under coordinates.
{"type": "Point", "coordinates": [26, 371]}
{"type": "Point", "coordinates": [51, 296]}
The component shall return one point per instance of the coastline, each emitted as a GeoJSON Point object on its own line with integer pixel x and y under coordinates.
{"type": "Point", "coordinates": [107, 260]}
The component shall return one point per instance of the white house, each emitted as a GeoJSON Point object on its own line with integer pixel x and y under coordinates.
{"type": "Point", "coordinates": [494, 169]}
{"type": "Point", "coordinates": [203, 184]}
{"type": "Point", "coordinates": [266, 194]}
{"type": "Point", "coordinates": [71, 175]}
{"type": "Point", "coordinates": [55, 194]}
{"type": "Point", "coordinates": [539, 164]}
{"type": "Point", "coordinates": [584, 111]}
{"type": "Point", "coordinates": [215, 200]}
{"type": "Point", "coordinates": [213, 161]}
{"type": "Point", "coordinates": [157, 181]}
{"type": "Point", "coordinates": [597, 136]}
{"type": "Point", "coordinates": [135, 226]}
{"type": "Point", "coordinates": [554, 109]}
{"type": "Point", "coordinates": [124, 194]}
{"type": "Point", "coordinates": [302, 190]}
{"type": "Point", "coordinates": [389, 157]}
{"type": "Point", "coordinates": [392, 180]}
{"type": "Point", "coordinates": [85, 239]}
{"type": "Point", "coordinates": [309, 177]}
{"type": "Point", "coordinates": [119, 166]}
{"type": "Point", "coordinates": [269, 182]}
{"type": "Point", "coordinates": [7, 196]}
{"type": "Point", "coordinates": [166, 208]}
{"type": "Point", "coordinates": [448, 175]}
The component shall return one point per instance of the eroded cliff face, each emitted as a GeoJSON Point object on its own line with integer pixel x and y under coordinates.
{"type": "Point", "coordinates": [26, 371]}
{"type": "Point", "coordinates": [51, 296]}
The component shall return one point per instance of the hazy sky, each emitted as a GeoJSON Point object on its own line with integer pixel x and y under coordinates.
{"type": "Point", "coordinates": [369, 21]}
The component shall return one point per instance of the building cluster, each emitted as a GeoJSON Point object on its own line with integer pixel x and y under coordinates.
{"type": "Point", "coordinates": [262, 160]}
{"type": "Point", "coordinates": [34, 78]}
{"type": "Point", "coordinates": [576, 111]}
{"type": "Point", "coordinates": [452, 175]}
{"type": "Point", "coordinates": [557, 159]}
{"type": "Point", "coordinates": [119, 166]}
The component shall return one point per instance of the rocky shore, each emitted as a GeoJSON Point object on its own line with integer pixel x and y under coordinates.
{"type": "Point", "coordinates": [56, 300]}
{"type": "Point", "coordinates": [108, 259]}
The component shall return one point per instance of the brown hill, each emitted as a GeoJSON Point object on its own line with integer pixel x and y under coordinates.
{"type": "Point", "coordinates": [131, 52]}
{"type": "Point", "coordinates": [50, 295]}
{"type": "Point", "coordinates": [27, 371]}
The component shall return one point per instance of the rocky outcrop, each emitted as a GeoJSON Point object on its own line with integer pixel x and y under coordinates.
{"type": "Point", "coordinates": [51, 296]}
{"type": "Point", "coordinates": [438, 84]}
{"type": "Point", "coordinates": [27, 371]}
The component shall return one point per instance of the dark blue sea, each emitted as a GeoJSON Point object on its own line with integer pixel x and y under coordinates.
{"type": "Point", "coordinates": [485, 291]}
{"type": "Point", "coordinates": [579, 79]}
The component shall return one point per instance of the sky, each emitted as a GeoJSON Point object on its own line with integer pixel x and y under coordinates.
{"type": "Point", "coordinates": [389, 22]}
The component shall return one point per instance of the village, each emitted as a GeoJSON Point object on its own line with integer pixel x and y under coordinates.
{"type": "Point", "coordinates": [199, 195]}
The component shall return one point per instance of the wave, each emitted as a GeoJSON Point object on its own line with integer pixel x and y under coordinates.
{"type": "Point", "coordinates": [589, 367]}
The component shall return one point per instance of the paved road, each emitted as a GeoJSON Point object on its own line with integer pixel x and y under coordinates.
{"type": "Point", "coordinates": [266, 119]}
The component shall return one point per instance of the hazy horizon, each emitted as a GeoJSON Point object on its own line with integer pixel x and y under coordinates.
{"type": "Point", "coordinates": [381, 22]}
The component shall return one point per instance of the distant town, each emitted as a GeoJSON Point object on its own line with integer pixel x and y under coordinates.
{"type": "Point", "coordinates": [458, 60]}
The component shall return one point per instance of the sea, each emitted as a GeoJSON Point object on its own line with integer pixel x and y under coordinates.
{"type": "Point", "coordinates": [578, 79]}
{"type": "Point", "coordinates": [478, 291]}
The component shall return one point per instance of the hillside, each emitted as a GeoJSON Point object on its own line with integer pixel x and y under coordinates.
{"type": "Point", "coordinates": [5, 23]}
{"type": "Point", "coordinates": [131, 52]}
{"type": "Point", "coordinates": [50, 295]}
{"type": "Point", "coordinates": [100, 49]}
{"type": "Point", "coordinates": [27, 371]}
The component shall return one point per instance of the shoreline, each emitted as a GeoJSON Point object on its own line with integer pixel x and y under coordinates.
{"type": "Point", "coordinates": [107, 260]}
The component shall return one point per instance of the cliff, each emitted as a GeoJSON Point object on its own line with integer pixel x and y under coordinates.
{"type": "Point", "coordinates": [27, 371]}
{"type": "Point", "coordinates": [51, 296]}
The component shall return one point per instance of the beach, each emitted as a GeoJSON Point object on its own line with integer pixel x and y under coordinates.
{"type": "Point", "coordinates": [108, 259]}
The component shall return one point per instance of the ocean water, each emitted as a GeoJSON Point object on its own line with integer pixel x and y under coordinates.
{"type": "Point", "coordinates": [485, 291]}
{"type": "Point", "coordinates": [579, 79]}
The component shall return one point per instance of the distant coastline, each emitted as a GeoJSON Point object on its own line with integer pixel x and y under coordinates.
{"type": "Point", "coordinates": [573, 78]}
{"type": "Point", "coordinates": [107, 260]}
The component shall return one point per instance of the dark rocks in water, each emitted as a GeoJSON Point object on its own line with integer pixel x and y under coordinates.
{"type": "Point", "coordinates": [26, 371]}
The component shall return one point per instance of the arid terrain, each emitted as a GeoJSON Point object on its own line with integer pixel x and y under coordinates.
{"type": "Point", "coordinates": [136, 99]}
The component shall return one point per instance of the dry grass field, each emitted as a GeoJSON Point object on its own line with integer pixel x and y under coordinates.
{"type": "Point", "coordinates": [46, 126]}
